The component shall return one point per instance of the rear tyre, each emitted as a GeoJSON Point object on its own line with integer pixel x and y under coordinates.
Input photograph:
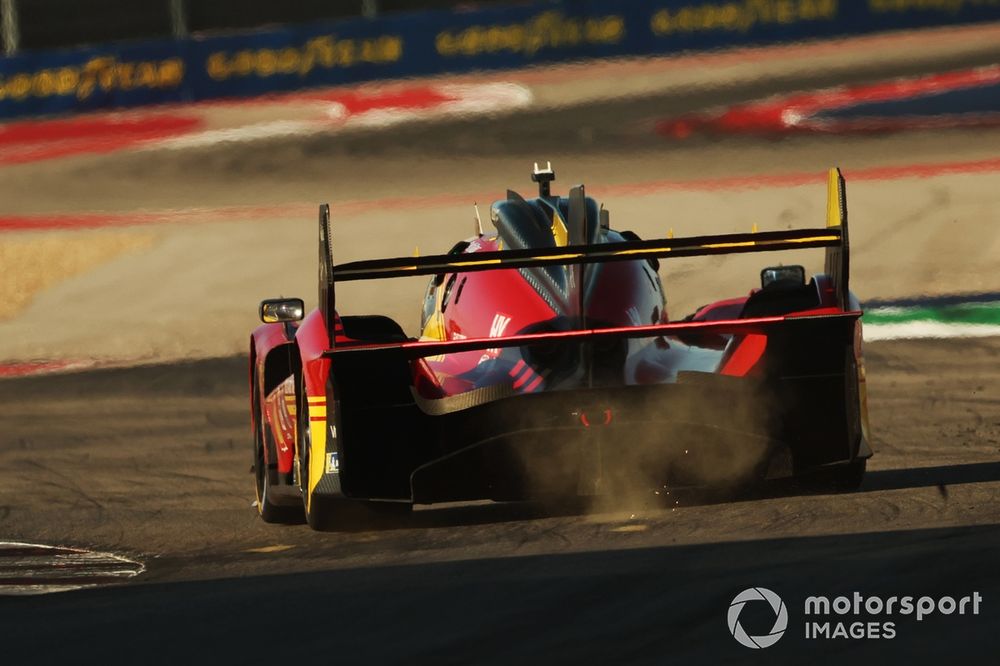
{"type": "Point", "coordinates": [842, 478]}
{"type": "Point", "coordinates": [326, 513]}
{"type": "Point", "coordinates": [265, 475]}
{"type": "Point", "coordinates": [849, 477]}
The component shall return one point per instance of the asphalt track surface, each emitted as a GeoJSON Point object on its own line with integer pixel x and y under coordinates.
{"type": "Point", "coordinates": [153, 462]}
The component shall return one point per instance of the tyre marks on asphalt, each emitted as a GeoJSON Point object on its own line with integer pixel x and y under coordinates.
{"type": "Point", "coordinates": [27, 569]}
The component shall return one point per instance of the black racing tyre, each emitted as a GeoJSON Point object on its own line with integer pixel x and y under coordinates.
{"type": "Point", "coordinates": [264, 474]}
{"type": "Point", "coordinates": [840, 478]}
{"type": "Point", "coordinates": [338, 513]}
{"type": "Point", "coordinates": [850, 476]}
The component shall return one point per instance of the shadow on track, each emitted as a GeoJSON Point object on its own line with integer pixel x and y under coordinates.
{"type": "Point", "coordinates": [649, 605]}
{"type": "Point", "coordinates": [923, 477]}
{"type": "Point", "coordinates": [486, 513]}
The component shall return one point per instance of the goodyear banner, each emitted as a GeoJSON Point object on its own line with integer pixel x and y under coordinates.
{"type": "Point", "coordinates": [436, 42]}
{"type": "Point", "coordinates": [93, 78]}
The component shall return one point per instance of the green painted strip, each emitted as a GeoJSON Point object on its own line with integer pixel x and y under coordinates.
{"type": "Point", "coordinates": [963, 313]}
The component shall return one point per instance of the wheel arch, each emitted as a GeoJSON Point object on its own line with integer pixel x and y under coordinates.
{"type": "Point", "coordinates": [280, 363]}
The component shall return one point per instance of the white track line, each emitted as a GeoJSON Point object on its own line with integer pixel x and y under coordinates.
{"type": "Point", "coordinates": [465, 100]}
{"type": "Point", "coordinates": [926, 330]}
{"type": "Point", "coordinates": [253, 132]}
{"type": "Point", "coordinates": [27, 569]}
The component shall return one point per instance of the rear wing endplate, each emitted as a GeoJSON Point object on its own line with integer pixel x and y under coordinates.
{"type": "Point", "coordinates": [838, 257]}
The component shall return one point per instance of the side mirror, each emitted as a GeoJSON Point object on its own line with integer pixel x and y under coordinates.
{"type": "Point", "coordinates": [787, 274]}
{"type": "Point", "coordinates": [281, 310]}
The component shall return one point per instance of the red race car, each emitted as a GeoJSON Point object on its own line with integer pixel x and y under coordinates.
{"type": "Point", "coordinates": [547, 368]}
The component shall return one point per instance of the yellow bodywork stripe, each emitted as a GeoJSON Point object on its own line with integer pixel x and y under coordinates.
{"type": "Point", "coordinates": [623, 253]}
{"type": "Point", "coordinates": [714, 246]}
{"type": "Point", "coordinates": [559, 231]}
{"type": "Point", "coordinates": [804, 240]}
{"type": "Point", "coordinates": [720, 245]}
{"type": "Point", "coordinates": [481, 262]}
{"type": "Point", "coordinates": [315, 408]}
{"type": "Point", "coordinates": [812, 239]}
{"type": "Point", "coordinates": [434, 330]}
{"type": "Point", "coordinates": [317, 455]}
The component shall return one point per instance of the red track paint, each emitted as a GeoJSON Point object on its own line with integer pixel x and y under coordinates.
{"type": "Point", "coordinates": [801, 112]}
{"type": "Point", "coordinates": [422, 97]}
{"type": "Point", "coordinates": [32, 140]}
{"type": "Point", "coordinates": [38, 367]}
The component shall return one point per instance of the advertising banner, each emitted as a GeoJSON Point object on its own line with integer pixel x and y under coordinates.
{"type": "Point", "coordinates": [416, 44]}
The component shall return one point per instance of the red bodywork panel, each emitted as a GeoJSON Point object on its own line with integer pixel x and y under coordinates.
{"type": "Point", "coordinates": [306, 349]}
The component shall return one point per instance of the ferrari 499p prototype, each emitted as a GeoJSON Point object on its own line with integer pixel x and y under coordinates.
{"type": "Point", "coordinates": [547, 368]}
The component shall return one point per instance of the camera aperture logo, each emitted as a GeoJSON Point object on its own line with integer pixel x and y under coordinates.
{"type": "Point", "coordinates": [780, 617]}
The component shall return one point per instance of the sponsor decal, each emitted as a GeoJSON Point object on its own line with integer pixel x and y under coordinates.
{"type": "Point", "coordinates": [100, 74]}
{"type": "Point", "coordinates": [925, 6]}
{"type": "Point", "coordinates": [552, 30]}
{"type": "Point", "coordinates": [332, 463]}
{"type": "Point", "coordinates": [499, 325]}
{"type": "Point", "coordinates": [740, 16]}
{"type": "Point", "coordinates": [497, 328]}
{"type": "Point", "coordinates": [324, 51]}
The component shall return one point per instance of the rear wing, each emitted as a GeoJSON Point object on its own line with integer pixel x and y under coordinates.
{"type": "Point", "coordinates": [833, 237]}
